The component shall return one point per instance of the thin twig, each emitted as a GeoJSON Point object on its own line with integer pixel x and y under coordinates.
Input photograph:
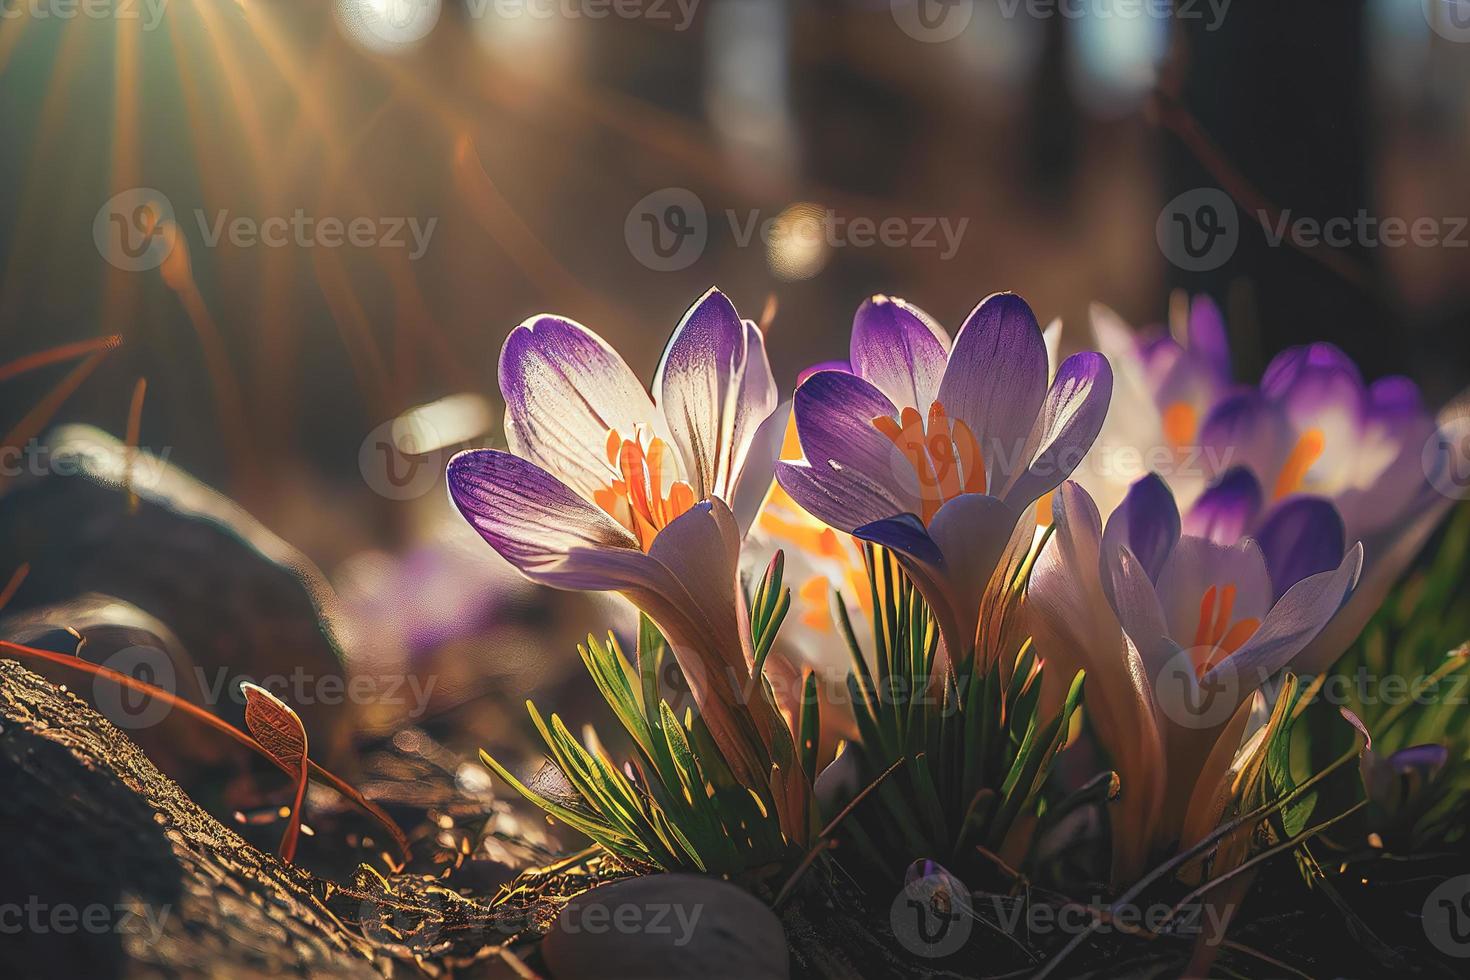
{"type": "Point", "coordinates": [822, 841]}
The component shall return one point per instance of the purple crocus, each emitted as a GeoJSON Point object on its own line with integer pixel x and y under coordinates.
{"type": "Point", "coordinates": [1311, 429]}
{"type": "Point", "coordinates": [937, 450]}
{"type": "Point", "coordinates": [1177, 622]}
{"type": "Point", "coordinates": [607, 488]}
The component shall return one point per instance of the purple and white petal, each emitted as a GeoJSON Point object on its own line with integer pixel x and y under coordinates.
{"type": "Point", "coordinates": [699, 384]}
{"type": "Point", "coordinates": [855, 475]}
{"type": "Point", "coordinates": [1293, 622]}
{"type": "Point", "coordinates": [565, 389]}
{"type": "Point", "coordinates": [1070, 421]}
{"type": "Point", "coordinates": [1228, 509]}
{"type": "Point", "coordinates": [899, 349]}
{"type": "Point", "coordinates": [757, 469]}
{"type": "Point", "coordinates": [1300, 537]}
{"type": "Point", "coordinates": [996, 381]}
{"type": "Point", "coordinates": [539, 524]}
{"type": "Point", "coordinates": [1245, 429]}
{"type": "Point", "coordinates": [1147, 523]}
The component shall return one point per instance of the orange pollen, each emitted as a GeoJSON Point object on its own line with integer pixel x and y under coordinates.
{"type": "Point", "coordinates": [1307, 450]}
{"type": "Point", "coordinates": [1181, 423]}
{"type": "Point", "coordinates": [1215, 638]}
{"type": "Point", "coordinates": [638, 499]}
{"type": "Point", "coordinates": [944, 454]}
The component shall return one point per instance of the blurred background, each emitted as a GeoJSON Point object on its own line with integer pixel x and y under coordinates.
{"type": "Point", "coordinates": [311, 223]}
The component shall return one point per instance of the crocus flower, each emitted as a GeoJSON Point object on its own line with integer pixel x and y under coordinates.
{"type": "Point", "coordinates": [1177, 622]}
{"type": "Point", "coordinates": [1312, 427]}
{"type": "Point", "coordinates": [607, 488]}
{"type": "Point", "coordinates": [937, 450]}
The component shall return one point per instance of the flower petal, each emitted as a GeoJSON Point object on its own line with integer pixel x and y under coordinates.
{"type": "Point", "coordinates": [1292, 623]}
{"type": "Point", "coordinates": [537, 523]}
{"type": "Point", "coordinates": [852, 474]}
{"type": "Point", "coordinates": [1197, 565]}
{"type": "Point", "coordinates": [1147, 521]}
{"type": "Point", "coordinates": [1244, 429]}
{"type": "Point", "coordinates": [1208, 341]}
{"type": "Point", "coordinates": [996, 381]}
{"type": "Point", "coordinates": [900, 349]}
{"type": "Point", "coordinates": [565, 389]}
{"type": "Point", "coordinates": [904, 533]}
{"type": "Point", "coordinates": [699, 384]}
{"type": "Point", "coordinates": [758, 467]}
{"type": "Point", "coordinates": [1069, 422]}
{"type": "Point", "coordinates": [1302, 536]}
{"type": "Point", "coordinates": [1225, 511]}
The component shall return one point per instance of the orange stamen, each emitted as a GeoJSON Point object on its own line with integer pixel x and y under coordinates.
{"type": "Point", "coordinates": [1214, 637]}
{"type": "Point", "coordinates": [944, 455]}
{"type": "Point", "coordinates": [638, 500]}
{"type": "Point", "coordinates": [1307, 450]}
{"type": "Point", "coordinates": [1181, 422]}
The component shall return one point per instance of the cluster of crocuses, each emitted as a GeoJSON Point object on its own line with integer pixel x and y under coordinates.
{"type": "Point", "coordinates": [1187, 590]}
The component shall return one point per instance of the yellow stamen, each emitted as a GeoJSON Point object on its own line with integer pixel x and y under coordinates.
{"type": "Point", "coordinates": [944, 455]}
{"type": "Point", "coordinates": [1307, 450]}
